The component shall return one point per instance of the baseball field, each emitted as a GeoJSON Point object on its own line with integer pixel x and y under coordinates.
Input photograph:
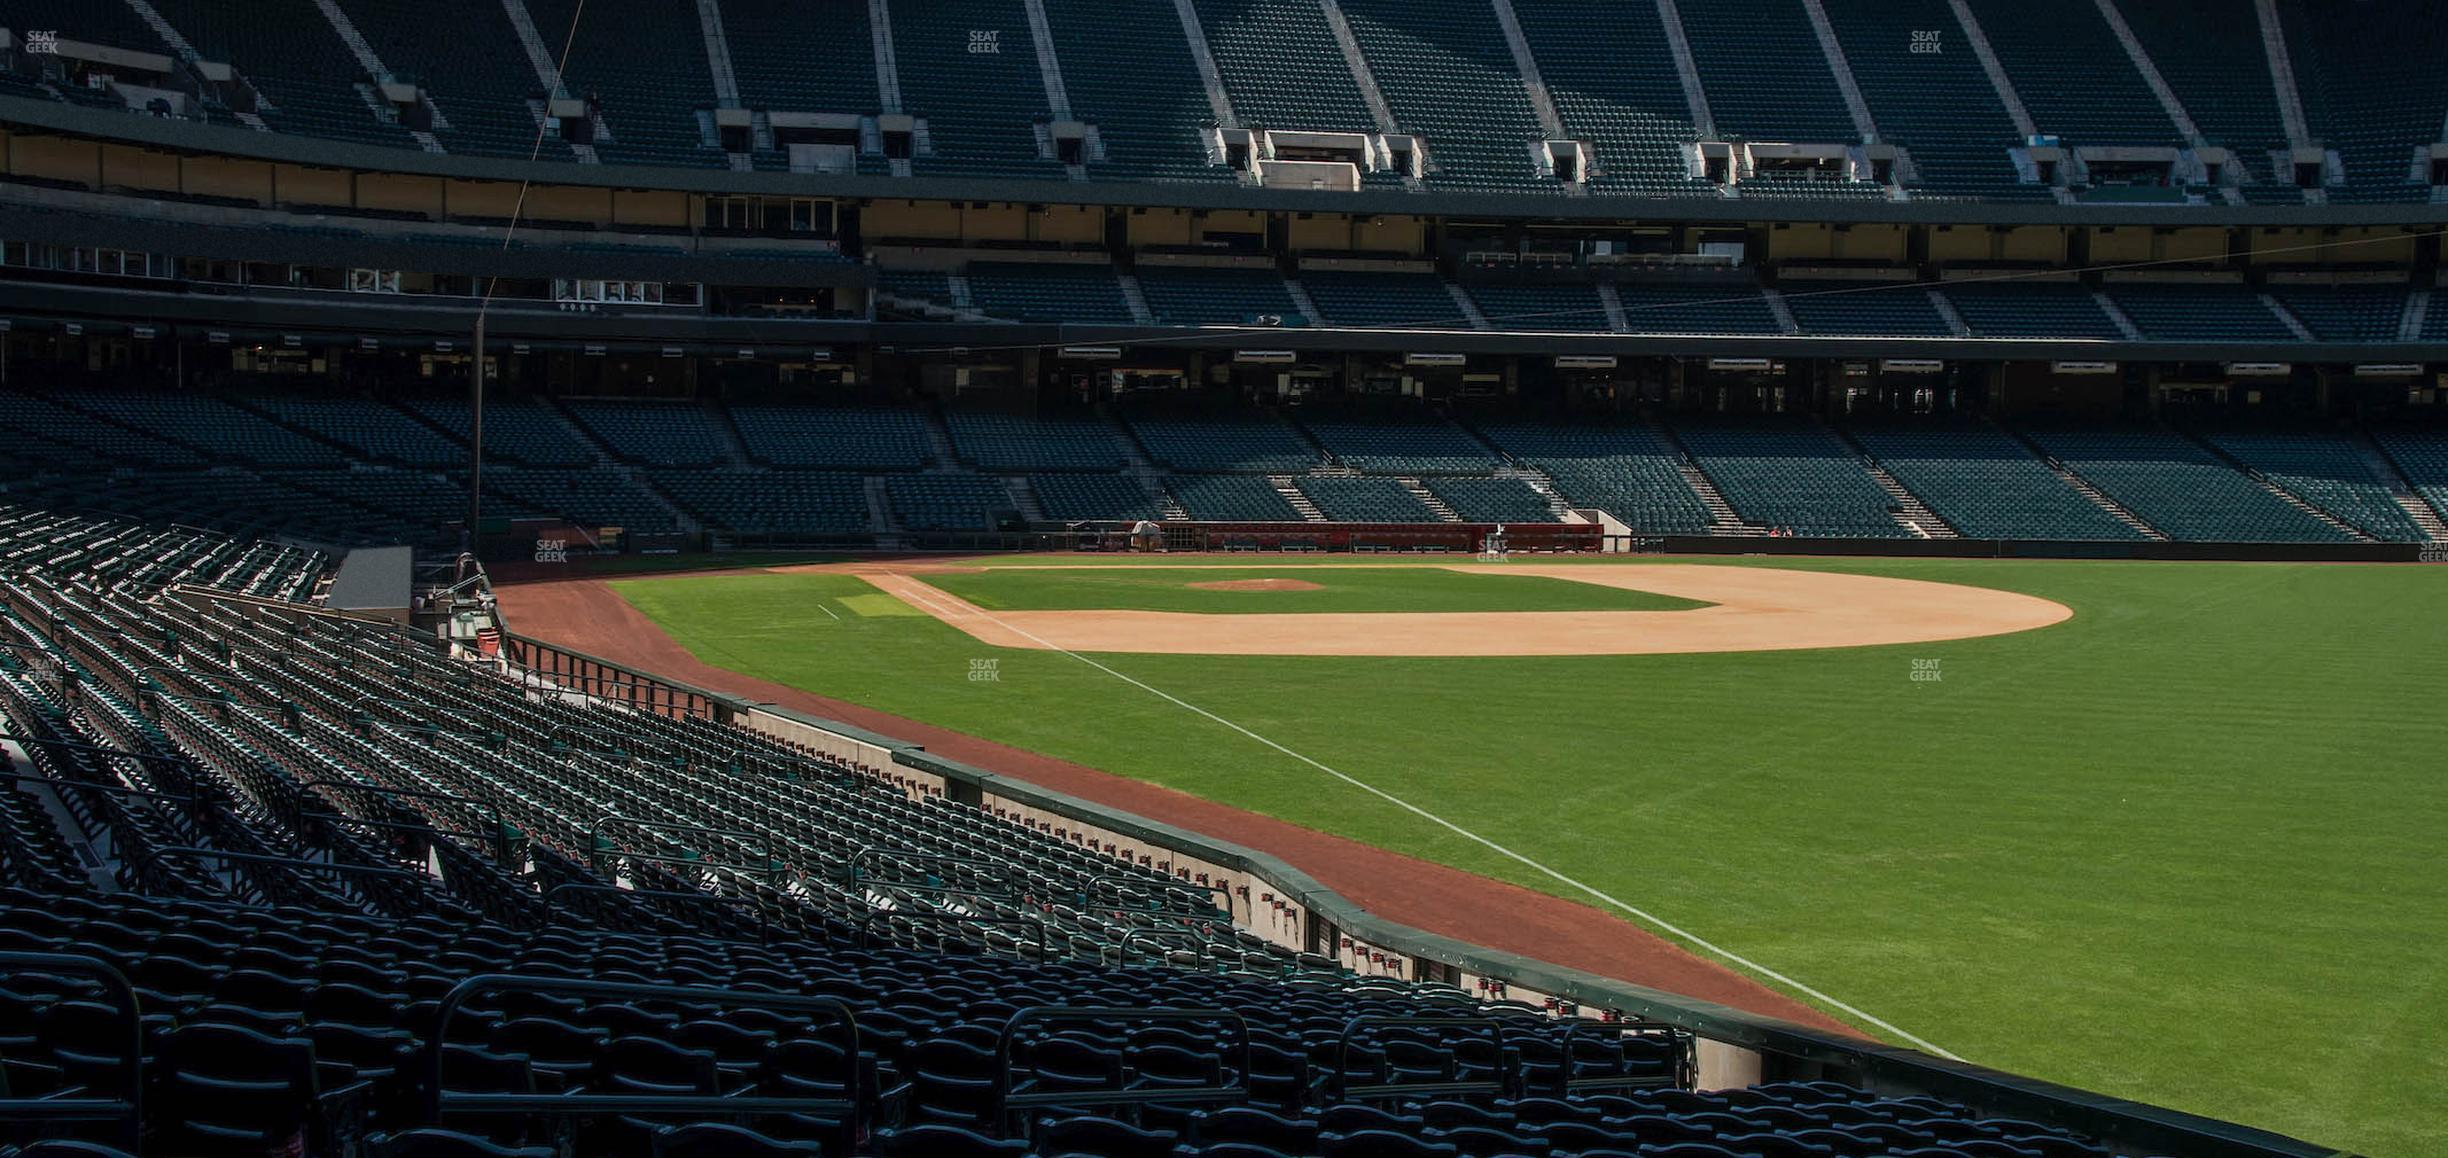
{"type": "Point", "coordinates": [2172, 831]}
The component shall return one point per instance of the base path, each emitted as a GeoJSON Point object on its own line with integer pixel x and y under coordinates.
{"type": "Point", "coordinates": [586, 615]}
{"type": "Point", "coordinates": [1753, 609]}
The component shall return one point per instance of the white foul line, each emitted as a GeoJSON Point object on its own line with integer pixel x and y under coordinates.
{"type": "Point", "coordinates": [829, 611]}
{"type": "Point", "coordinates": [1917, 1042]}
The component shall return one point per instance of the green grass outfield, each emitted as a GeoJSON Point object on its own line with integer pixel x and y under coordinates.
{"type": "Point", "coordinates": [2187, 846]}
{"type": "Point", "coordinates": [1339, 589]}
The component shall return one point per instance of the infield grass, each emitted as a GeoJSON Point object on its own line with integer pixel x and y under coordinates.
{"type": "Point", "coordinates": [1326, 589]}
{"type": "Point", "coordinates": [2190, 846]}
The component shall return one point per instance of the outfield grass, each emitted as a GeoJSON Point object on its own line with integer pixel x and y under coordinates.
{"type": "Point", "coordinates": [1338, 589]}
{"type": "Point", "coordinates": [2184, 847]}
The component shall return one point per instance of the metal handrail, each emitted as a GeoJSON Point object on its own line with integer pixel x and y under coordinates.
{"type": "Point", "coordinates": [1343, 1044]}
{"type": "Point", "coordinates": [764, 925]}
{"type": "Point", "coordinates": [502, 852]}
{"type": "Point", "coordinates": [1620, 1081]}
{"type": "Point", "coordinates": [129, 1109]}
{"type": "Point", "coordinates": [874, 915]}
{"type": "Point", "coordinates": [439, 1101]}
{"type": "Point", "coordinates": [851, 875]}
{"type": "Point", "coordinates": [770, 870]}
{"type": "Point", "coordinates": [1010, 1097]}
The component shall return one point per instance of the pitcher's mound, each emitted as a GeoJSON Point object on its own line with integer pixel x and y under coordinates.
{"type": "Point", "coordinates": [1258, 585]}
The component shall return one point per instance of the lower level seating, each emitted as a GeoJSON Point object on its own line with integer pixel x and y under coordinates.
{"type": "Point", "coordinates": [1987, 485]}
{"type": "Point", "coordinates": [1492, 500]}
{"type": "Point", "coordinates": [1233, 498]}
{"type": "Point", "coordinates": [2180, 489]}
{"type": "Point", "coordinates": [2421, 455]}
{"type": "Point", "coordinates": [590, 497]}
{"type": "Point", "coordinates": [1624, 470]}
{"type": "Point", "coordinates": [1345, 499]}
{"type": "Point", "coordinates": [1793, 477]}
{"type": "Point", "coordinates": [947, 502]}
{"type": "Point", "coordinates": [2330, 471]}
{"type": "Point", "coordinates": [771, 504]}
{"type": "Point", "coordinates": [1066, 497]}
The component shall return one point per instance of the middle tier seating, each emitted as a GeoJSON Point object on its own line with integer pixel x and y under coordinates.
{"type": "Point", "coordinates": [1049, 292]}
{"type": "Point", "coordinates": [1200, 296]}
{"type": "Point", "coordinates": [2199, 313]}
{"type": "Point", "coordinates": [1864, 309]}
{"type": "Point", "coordinates": [1404, 301]}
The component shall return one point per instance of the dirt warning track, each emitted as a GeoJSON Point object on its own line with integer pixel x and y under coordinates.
{"type": "Point", "coordinates": [1752, 609]}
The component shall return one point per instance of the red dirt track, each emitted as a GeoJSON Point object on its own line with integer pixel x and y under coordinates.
{"type": "Point", "coordinates": [586, 615]}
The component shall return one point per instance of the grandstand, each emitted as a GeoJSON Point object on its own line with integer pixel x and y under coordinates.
{"type": "Point", "coordinates": [560, 287]}
{"type": "Point", "coordinates": [252, 883]}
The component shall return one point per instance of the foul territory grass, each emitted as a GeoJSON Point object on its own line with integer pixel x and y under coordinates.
{"type": "Point", "coordinates": [2185, 847]}
{"type": "Point", "coordinates": [1323, 589]}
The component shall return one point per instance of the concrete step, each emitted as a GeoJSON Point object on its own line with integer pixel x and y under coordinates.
{"type": "Point", "coordinates": [1723, 519]}
{"type": "Point", "coordinates": [1292, 494]}
{"type": "Point", "coordinates": [2276, 491]}
{"type": "Point", "coordinates": [1911, 513]}
{"type": "Point", "coordinates": [1429, 499]}
{"type": "Point", "coordinates": [733, 445]}
{"type": "Point", "coordinates": [939, 439]}
{"type": "Point", "coordinates": [1024, 496]}
{"type": "Point", "coordinates": [2084, 487]}
{"type": "Point", "coordinates": [879, 507]}
{"type": "Point", "coordinates": [2400, 488]}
